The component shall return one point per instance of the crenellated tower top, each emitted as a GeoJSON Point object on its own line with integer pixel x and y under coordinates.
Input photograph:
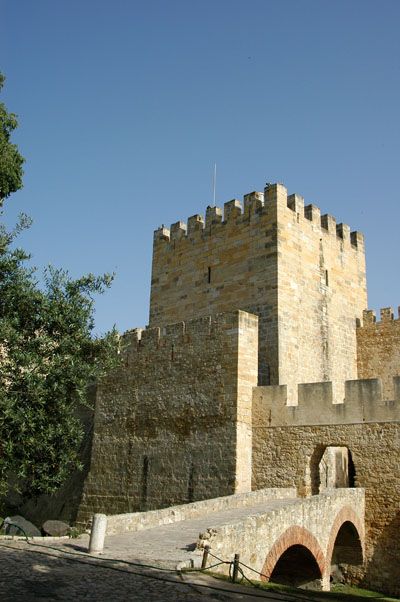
{"type": "Point", "coordinates": [257, 205]}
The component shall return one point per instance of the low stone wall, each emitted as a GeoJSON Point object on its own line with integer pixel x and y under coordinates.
{"type": "Point", "coordinates": [136, 521]}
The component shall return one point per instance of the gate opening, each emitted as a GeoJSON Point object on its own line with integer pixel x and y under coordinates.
{"type": "Point", "coordinates": [331, 467]}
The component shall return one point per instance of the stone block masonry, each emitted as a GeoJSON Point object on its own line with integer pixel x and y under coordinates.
{"type": "Point", "coordinates": [302, 274]}
{"type": "Point", "coordinates": [173, 422]}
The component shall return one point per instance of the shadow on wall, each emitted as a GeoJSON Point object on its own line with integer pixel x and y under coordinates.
{"type": "Point", "coordinates": [64, 504]}
{"type": "Point", "coordinates": [387, 547]}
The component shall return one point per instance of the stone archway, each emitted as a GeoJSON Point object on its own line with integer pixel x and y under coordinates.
{"type": "Point", "coordinates": [346, 541]}
{"type": "Point", "coordinates": [296, 559]}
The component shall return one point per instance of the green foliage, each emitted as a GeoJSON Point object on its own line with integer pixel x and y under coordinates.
{"type": "Point", "coordinates": [10, 159]}
{"type": "Point", "coordinates": [47, 358]}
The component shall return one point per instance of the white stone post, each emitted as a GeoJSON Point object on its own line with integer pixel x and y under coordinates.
{"type": "Point", "coordinates": [97, 533]}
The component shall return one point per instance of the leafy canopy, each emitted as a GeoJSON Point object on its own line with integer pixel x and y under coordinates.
{"type": "Point", "coordinates": [10, 159]}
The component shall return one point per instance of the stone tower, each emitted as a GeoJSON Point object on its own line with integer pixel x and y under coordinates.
{"type": "Point", "coordinates": [302, 274]}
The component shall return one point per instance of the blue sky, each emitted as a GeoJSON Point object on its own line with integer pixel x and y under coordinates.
{"type": "Point", "coordinates": [124, 106]}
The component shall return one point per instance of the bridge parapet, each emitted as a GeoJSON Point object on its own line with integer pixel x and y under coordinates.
{"type": "Point", "coordinates": [138, 521]}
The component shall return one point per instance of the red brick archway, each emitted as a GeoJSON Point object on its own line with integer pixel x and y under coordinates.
{"type": "Point", "coordinates": [291, 537]}
{"type": "Point", "coordinates": [346, 514]}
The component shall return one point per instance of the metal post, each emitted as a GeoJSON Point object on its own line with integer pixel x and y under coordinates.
{"type": "Point", "coordinates": [97, 533]}
{"type": "Point", "coordinates": [205, 557]}
{"type": "Point", "coordinates": [235, 571]}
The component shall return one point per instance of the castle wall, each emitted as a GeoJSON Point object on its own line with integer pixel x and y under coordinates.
{"type": "Point", "coordinates": [287, 452]}
{"type": "Point", "coordinates": [173, 421]}
{"type": "Point", "coordinates": [299, 272]}
{"type": "Point", "coordinates": [378, 349]}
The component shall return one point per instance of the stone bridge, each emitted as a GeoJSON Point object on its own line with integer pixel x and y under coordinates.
{"type": "Point", "coordinates": [285, 539]}
{"type": "Point", "coordinates": [296, 541]}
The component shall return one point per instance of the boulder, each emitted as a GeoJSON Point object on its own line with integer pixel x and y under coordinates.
{"type": "Point", "coordinates": [18, 525]}
{"type": "Point", "coordinates": [56, 528]}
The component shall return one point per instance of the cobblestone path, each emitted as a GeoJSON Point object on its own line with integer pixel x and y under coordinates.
{"type": "Point", "coordinates": [32, 574]}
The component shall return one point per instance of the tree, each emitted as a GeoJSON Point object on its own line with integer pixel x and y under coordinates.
{"type": "Point", "coordinates": [48, 354]}
{"type": "Point", "coordinates": [11, 160]}
{"type": "Point", "coordinates": [47, 358]}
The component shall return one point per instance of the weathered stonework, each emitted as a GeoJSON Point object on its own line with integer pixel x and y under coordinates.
{"type": "Point", "coordinates": [268, 296]}
{"type": "Point", "coordinates": [173, 422]}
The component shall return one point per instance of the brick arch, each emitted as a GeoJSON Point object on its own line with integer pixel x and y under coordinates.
{"type": "Point", "coordinates": [346, 514]}
{"type": "Point", "coordinates": [291, 537]}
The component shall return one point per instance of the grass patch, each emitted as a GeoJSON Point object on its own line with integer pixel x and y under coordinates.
{"type": "Point", "coordinates": [339, 592]}
{"type": "Point", "coordinates": [348, 592]}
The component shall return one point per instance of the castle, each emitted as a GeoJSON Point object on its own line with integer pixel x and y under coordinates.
{"type": "Point", "coordinates": [260, 360]}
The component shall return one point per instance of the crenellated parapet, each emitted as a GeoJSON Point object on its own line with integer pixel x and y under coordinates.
{"type": "Point", "coordinates": [386, 316]}
{"type": "Point", "coordinates": [197, 333]}
{"type": "Point", "coordinates": [257, 206]}
{"type": "Point", "coordinates": [363, 402]}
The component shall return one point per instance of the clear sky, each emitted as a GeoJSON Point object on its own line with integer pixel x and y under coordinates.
{"type": "Point", "coordinates": [124, 107]}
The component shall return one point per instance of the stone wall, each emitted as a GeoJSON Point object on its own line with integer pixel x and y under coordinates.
{"type": "Point", "coordinates": [299, 272]}
{"type": "Point", "coordinates": [378, 349]}
{"type": "Point", "coordinates": [287, 456]}
{"type": "Point", "coordinates": [173, 422]}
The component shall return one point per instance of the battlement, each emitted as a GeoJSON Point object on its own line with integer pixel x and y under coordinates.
{"type": "Point", "coordinates": [363, 402]}
{"type": "Point", "coordinates": [189, 332]}
{"type": "Point", "coordinates": [386, 315]}
{"type": "Point", "coordinates": [256, 206]}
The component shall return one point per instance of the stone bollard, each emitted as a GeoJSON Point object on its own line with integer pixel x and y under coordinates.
{"type": "Point", "coordinates": [97, 533]}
